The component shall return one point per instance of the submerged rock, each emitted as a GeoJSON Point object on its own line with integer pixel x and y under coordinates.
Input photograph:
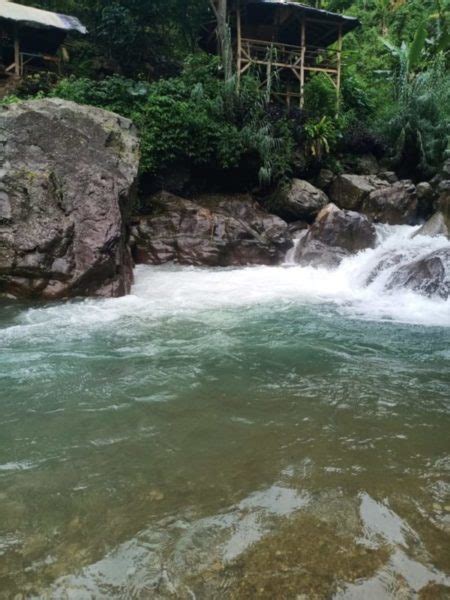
{"type": "Point", "coordinates": [213, 231]}
{"type": "Point", "coordinates": [429, 276]}
{"type": "Point", "coordinates": [300, 201]}
{"type": "Point", "coordinates": [395, 204]}
{"type": "Point", "coordinates": [335, 234]}
{"type": "Point", "coordinates": [66, 175]}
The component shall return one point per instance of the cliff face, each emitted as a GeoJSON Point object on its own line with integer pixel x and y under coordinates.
{"type": "Point", "coordinates": [67, 174]}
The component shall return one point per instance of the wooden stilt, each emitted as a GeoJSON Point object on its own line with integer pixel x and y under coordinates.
{"type": "Point", "coordinates": [302, 63]}
{"type": "Point", "coordinates": [239, 43]}
{"type": "Point", "coordinates": [269, 76]}
{"type": "Point", "coordinates": [339, 69]}
{"type": "Point", "coordinates": [17, 69]}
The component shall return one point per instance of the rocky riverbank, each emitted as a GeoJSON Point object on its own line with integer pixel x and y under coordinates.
{"type": "Point", "coordinates": [67, 226]}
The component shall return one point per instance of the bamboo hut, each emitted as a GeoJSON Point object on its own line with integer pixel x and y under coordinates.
{"type": "Point", "coordinates": [288, 41]}
{"type": "Point", "coordinates": [30, 37]}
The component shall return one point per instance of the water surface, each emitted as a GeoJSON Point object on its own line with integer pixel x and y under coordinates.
{"type": "Point", "coordinates": [233, 433]}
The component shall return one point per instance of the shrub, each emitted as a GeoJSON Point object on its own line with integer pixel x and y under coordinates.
{"type": "Point", "coordinates": [358, 138]}
{"type": "Point", "coordinates": [195, 118]}
{"type": "Point", "coordinates": [320, 96]}
{"type": "Point", "coordinates": [37, 84]}
{"type": "Point", "coordinates": [114, 93]}
{"type": "Point", "coordinates": [418, 122]}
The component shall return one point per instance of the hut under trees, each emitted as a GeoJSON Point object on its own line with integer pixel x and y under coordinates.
{"type": "Point", "coordinates": [30, 38]}
{"type": "Point", "coordinates": [285, 41]}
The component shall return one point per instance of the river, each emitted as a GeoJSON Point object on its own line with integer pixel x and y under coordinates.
{"type": "Point", "coordinates": [261, 432]}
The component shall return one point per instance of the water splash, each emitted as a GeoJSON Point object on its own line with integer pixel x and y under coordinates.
{"type": "Point", "coordinates": [357, 288]}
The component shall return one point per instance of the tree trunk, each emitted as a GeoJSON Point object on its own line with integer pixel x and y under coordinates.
{"type": "Point", "coordinates": [223, 36]}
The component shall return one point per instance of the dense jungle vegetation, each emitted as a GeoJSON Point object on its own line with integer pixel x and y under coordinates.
{"type": "Point", "coordinates": [141, 59]}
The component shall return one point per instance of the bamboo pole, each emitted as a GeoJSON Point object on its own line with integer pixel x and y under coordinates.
{"type": "Point", "coordinates": [17, 68]}
{"type": "Point", "coordinates": [339, 69]}
{"type": "Point", "coordinates": [239, 43]}
{"type": "Point", "coordinates": [302, 63]}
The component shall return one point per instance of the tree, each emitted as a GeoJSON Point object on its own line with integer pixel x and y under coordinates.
{"type": "Point", "coordinates": [220, 10]}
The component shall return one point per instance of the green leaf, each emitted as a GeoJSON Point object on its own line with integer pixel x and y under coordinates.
{"type": "Point", "coordinates": [389, 45]}
{"type": "Point", "coordinates": [417, 46]}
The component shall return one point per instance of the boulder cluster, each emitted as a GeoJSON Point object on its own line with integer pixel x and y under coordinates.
{"type": "Point", "coordinates": [67, 225]}
{"type": "Point", "coordinates": [213, 230]}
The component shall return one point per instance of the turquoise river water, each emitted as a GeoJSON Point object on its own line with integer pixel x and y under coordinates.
{"type": "Point", "coordinates": [266, 432]}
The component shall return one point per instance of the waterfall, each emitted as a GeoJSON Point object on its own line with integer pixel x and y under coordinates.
{"type": "Point", "coordinates": [290, 254]}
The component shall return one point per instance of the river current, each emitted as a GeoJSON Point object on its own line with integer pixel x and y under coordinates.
{"type": "Point", "coordinates": [262, 432]}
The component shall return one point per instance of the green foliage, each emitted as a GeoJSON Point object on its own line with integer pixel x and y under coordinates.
{"type": "Point", "coordinates": [320, 96]}
{"type": "Point", "coordinates": [320, 137]}
{"type": "Point", "coordinates": [115, 93]}
{"type": "Point", "coordinates": [12, 99]}
{"type": "Point", "coordinates": [36, 84]}
{"type": "Point", "coordinates": [134, 38]}
{"type": "Point", "coordinates": [195, 118]}
{"type": "Point", "coordinates": [212, 126]}
{"type": "Point", "coordinates": [133, 61]}
{"type": "Point", "coordinates": [418, 123]}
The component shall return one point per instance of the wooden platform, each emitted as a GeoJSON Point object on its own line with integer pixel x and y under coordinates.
{"type": "Point", "coordinates": [260, 42]}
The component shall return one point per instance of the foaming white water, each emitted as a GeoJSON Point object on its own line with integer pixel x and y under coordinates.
{"type": "Point", "coordinates": [173, 291]}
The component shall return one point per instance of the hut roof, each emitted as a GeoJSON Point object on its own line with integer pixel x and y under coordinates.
{"type": "Point", "coordinates": [36, 17]}
{"type": "Point", "coordinates": [322, 28]}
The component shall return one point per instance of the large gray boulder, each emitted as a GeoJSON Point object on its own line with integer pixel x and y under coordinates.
{"type": "Point", "coordinates": [213, 231]}
{"type": "Point", "coordinates": [395, 204]}
{"type": "Point", "coordinates": [335, 235]}
{"type": "Point", "coordinates": [429, 276]}
{"type": "Point", "coordinates": [66, 177]}
{"type": "Point", "coordinates": [299, 201]}
{"type": "Point", "coordinates": [349, 191]}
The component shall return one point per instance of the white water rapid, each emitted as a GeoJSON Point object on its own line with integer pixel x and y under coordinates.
{"type": "Point", "coordinates": [175, 291]}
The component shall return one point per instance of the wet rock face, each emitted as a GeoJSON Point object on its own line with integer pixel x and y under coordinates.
{"type": "Point", "coordinates": [395, 204]}
{"type": "Point", "coordinates": [301, 201]}
{"type": "Point", "coordinates": [443, 198]}
{"type": "Point", "coordinates": [335, 234]}
{"type": "Point", "coordinates": [439, 224]}
{"type": "Point", "coordinates": [349, 191]}
{"type": "Point", "coordinates": [66, 176]}
{"type": "Point", "coordinates": [429, 276]}
{"type": "Point", "coordinates": [383, 201]}
{"type": "Point", "coordinates": [213, 231]}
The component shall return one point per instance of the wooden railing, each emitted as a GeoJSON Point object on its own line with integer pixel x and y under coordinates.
{"type": "Point", "coordinates": [26, 60]}
{"type": "Point", "coordinates": [289, 56]}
